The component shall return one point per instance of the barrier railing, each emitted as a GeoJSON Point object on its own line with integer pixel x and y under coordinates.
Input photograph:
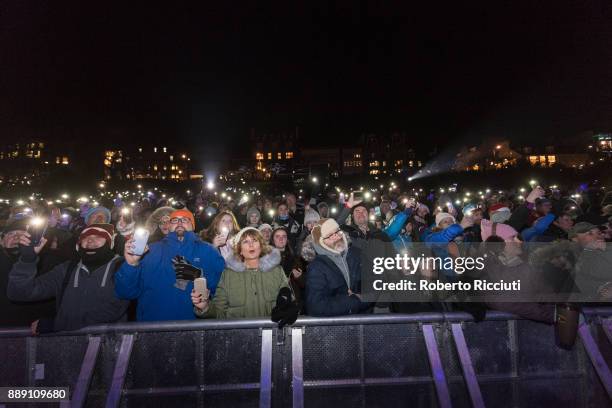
{"type": "Point", "coordinates": [427, 359]}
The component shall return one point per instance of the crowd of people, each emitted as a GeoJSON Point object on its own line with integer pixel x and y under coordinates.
{"type": "Point", "coordinates": [280, 256]}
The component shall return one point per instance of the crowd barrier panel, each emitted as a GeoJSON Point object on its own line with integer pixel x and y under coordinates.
{"type": "Point", "coordinates": [377, 360]}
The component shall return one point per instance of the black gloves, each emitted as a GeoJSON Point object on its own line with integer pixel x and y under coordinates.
{"type": "Point", "coordinates": [27, 253]}
{"type": "Point", "coordinates": [45, 326]}
{"type": "Point", "coordinates": [286, 310]}
{"type": "Point", "coordinates": [184, 270]}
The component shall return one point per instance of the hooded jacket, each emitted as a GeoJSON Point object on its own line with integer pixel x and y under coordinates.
{"type": "Point", "coordinates": [152, 282]}
{"type": "Point", "coordinates": [88, 297]}
{"type": "Point", "coordinates": [244, 292]}
{"type": "Point", "coordinates": [152, 224]}
{"type": "Point", "coordinates": [327, 286]}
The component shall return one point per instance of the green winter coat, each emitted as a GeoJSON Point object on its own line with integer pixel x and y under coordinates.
{"type": "Point", "coordinates": [247, 293]}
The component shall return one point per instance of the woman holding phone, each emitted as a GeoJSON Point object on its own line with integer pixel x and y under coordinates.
{"type": "Point", "coordinates": [250, 283]}
{"type": "Point", "coordinates": [221, 231]}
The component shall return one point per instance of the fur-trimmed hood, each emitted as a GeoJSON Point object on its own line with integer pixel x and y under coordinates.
{"type": "Point", "coordinates": [308, 251]}
{"type": "Point", "coordinates": [317, 238]}
{"type": "Point", "coordinates": [563, 249]}
{"type": "Point", "coordinates": [308, 247]}
{"type": "Point", "coordinates": [266, 263]}
{"type": "Point", "coordinates": [154, 219]}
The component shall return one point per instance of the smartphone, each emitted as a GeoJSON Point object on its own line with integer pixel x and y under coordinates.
{"type": "Point", "coordinates": [141, 236]}
{"type": "Point", "coordinates": [224, 232]}
{"type": "Point", "coordinates": [126, 214]}
{"type": "Point", "coordinates": [358, 195]}
{"type": "Point", "coordinates": [199, 284]}
{"type": "Point", "coordinates": [37, 228]}
{"type": "Point", "coordinates": [377, 211]}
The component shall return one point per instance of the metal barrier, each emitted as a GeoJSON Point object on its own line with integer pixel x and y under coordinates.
{"type": "Point", "coordinates": [427, 359]}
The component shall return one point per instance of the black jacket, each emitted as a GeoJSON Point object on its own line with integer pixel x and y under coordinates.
{"type": "Point", "coordinates": [326, 288]}
{"type": "Point", "coordinates": [18, 314]}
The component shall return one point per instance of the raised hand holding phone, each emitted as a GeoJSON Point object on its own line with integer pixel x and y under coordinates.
{"type": "Point", "coordinates": [354, 199]}
{"type": "Point", "coordinates": [141, 236]}
{"type": "Point", "coordinates": [36, 230]}
{"type": "Point", "coordinates": [126, 216]}
{"type": "Point", "coordinates": [131, 252]}
{"type": "Point", "coordinates": [536, 193]}
{"type": "Point", "coordinates": [24, 240]}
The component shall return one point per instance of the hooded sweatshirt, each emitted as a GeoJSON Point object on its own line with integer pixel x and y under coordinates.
{"type": "Point", "coordinates": [88, 297]}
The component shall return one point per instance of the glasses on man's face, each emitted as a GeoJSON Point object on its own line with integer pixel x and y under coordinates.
{"type": "Point", "coordinates": [336, 232]}
{"type": "Point", "coordinates": [181, 220]}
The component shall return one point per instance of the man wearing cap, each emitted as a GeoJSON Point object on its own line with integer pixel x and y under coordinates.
{"type": "Point", "coordinates": [162, 278]}
{"type": "Point", "coordinates": [593, 277]}
{"type": "Point", "coordinates": [83, 288]}
{"type": "Point", "coordinates": [333, 281]}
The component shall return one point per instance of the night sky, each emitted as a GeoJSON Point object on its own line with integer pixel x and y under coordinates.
{"type": "Point", "coordinates": [205, 74]}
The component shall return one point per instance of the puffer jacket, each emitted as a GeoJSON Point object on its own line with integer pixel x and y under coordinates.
{"type": "Point", "coordinates": [438, 242]}
{"type": "Point", "coordinates": [153, 280]}
{"type": "Point", "coordinates": [247, 293]}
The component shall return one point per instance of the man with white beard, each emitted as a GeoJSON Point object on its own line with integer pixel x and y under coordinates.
{"type": "Point", "coordinates": [333, 281]}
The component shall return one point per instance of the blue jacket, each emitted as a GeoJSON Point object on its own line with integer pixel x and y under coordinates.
{"type": "Point", "coordinates": [394, 230]}
{"type": "Point", "coordinates": [152, 281]}
{"type": "Point", "coordinates": [438, 243]}
{"type": "Point", "coordinates": [326, 289]}
{"type": "Point", "coordinates": [538, 228]}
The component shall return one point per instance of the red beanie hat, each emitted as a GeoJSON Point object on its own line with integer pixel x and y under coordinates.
{"type": "Point", "coordinates": [498, 207]}
{"type": "Point", "coordinates": [106, 231]}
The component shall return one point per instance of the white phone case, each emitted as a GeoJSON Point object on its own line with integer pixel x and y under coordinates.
{"type": "Point", "coordinates": [140, 242]}
{"type": "Point", "coordinates": [199, 284]}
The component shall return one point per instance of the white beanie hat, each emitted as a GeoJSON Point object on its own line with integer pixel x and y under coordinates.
{"type": "Point", "coordinates": [265, 226]}
{"type": "Point", "coordinates": [323, 229]}
{"type": "Point", "coordinates": [443, 215]}
{"type": "Point", "coordinates": [311, 215]}
{"type": "Point", "coordinates": [237, 237]}
{"type": "Point", "coordinates": [329, 227]}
